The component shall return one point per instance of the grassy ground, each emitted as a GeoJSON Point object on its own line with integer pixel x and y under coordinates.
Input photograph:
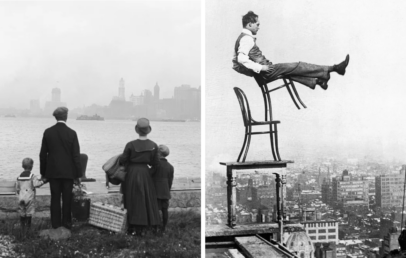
{"type": "Point", "coordinates": [181, 239]}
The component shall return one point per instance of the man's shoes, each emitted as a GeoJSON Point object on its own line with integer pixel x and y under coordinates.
{"type": "Point", "coordinates": [340, 68]}
{"type": "Point", "coordinates": [322, 83]}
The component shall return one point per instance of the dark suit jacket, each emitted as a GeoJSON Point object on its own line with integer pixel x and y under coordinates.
{"type": "Point", "coordinates": [60, 153]}
{"type": "Point", "coordinates": [163, 179]}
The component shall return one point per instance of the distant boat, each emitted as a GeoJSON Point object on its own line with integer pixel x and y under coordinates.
{"type": "Point", "coordinates": [9, 115]}
{"type": "Point", "coordinates": [94, 117]}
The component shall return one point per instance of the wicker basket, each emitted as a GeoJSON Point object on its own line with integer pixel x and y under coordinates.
{"type": "Point", "coordinates": [108, 217]}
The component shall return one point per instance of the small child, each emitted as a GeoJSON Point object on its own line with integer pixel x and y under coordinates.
{"type": "Point", "coordinates": [25, 189]}
{"type": "Point", "coordinates": [163, 179]}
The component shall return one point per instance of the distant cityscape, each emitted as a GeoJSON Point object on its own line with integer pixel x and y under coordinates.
{"type": "Point", "coordinates": [185, 105]}
{"type": "Point", "coordinates": [349, 207]}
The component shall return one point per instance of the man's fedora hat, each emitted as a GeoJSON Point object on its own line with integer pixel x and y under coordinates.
{"type": "Point", "coordinates": [60, 112]}
{"type": "Point", "coordinates": [143, 126]}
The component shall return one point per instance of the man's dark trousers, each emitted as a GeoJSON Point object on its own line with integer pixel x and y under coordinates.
{"type": "Point", "coordinates": [61, 188]}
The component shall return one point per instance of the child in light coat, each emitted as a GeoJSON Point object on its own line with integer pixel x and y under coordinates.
{"type": "Point", "coordinates": [25, 190]}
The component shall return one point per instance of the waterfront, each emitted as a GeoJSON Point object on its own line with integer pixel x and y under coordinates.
{"type": "Point", "coordinates": [21, 137]}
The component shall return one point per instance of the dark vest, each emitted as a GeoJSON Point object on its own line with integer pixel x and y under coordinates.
{"type": "Point", "coordinates": [255, 55]}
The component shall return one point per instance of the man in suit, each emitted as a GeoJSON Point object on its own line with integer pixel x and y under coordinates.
{"type": "Point", "coordinates": [60, 164]}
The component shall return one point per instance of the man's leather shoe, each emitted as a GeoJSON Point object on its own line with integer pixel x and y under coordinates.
{"type": "Point", "coordinates": [322, 83]}
{"type": "Point", "coordinates": [340, 68]}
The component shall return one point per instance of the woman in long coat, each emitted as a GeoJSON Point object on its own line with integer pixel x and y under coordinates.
{"type": "Point", "coordinates": [139, 195]}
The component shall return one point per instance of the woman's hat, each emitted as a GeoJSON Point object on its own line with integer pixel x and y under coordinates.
{"type": "Point", "coordinates": [143, 126]}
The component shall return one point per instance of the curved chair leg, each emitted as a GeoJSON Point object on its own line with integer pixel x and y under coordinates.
{"type": "Point", "coordinates": [272, 144]}
{"type": "Point", "coordinates": [248, 143]}
{"type": "Point", "coordinates": [290, 93]}
{"type": "Point", "coordinates": [264, 95]}
{"type": "Point", "coordinates": [276, 143]}
{"type": "Point", "coordinates": [269, 106]}
{"type": "Point", "coordinates": [297, 94]}
{"type": "Point", "coordinates": [243, 145]}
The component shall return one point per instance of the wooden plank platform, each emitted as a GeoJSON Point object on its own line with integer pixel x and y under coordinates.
{"type": "Point", "coordinates": [256, 164]}
{"type": "Point", "coordinates": [254, 247]}
{"type": "Point", "coordinates": [249, 229]}
{"type": "Point", "coordinates": [235, 253]}
{"type": "Point", "coordinates": [223, 252]}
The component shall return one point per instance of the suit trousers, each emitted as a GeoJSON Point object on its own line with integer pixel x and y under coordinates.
{"type": "Point", "coordinates": [304, 73]}
{"type": "Point", "coordinates": [61, 187]}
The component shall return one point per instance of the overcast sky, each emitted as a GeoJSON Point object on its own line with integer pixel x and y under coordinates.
{"type": "Point", "coordinates": [361, 113]}
{"type": "Point", "coordinates": [84, 48]}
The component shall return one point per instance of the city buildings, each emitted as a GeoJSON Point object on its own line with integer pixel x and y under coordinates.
{"type": "Point", "coordinates": [321, 231]}
{"type": "Point", "coordinates": [349, 192]}
{"type": "Point", "coordinates": [55, 102]}
{"type": "Point", "coordinates": [183, 105]}
{"type": "Point", "coordinates": [348, 229]}
{"type": "Point", "coordinates": [327, 192]}
{"type": "Point", "coordinates": [299, 243]}
{"type": "Point", "coordinates": [390, 242]}
{"type": "Point", "coordinates": [307, 196]}
{"type": "Point", "coordinates": [390, 190]}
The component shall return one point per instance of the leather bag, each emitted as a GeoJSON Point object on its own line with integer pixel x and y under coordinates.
{"type": "Point", "coordinates": [115, 173]}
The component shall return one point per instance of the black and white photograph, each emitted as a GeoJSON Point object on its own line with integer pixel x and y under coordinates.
{"type": "Point", "coordinates": [100, 121]}
{"type": "Point", "coordinates": [305, 146]}
{"type": "Point", "coordinates": [202, 128]}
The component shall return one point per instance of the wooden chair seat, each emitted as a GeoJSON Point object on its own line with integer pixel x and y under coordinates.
{"type": "Point", "coordinates": [264, 122]}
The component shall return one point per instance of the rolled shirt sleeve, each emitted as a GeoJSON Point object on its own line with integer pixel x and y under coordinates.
{"type": "Point", "coordinates": [246, 44]}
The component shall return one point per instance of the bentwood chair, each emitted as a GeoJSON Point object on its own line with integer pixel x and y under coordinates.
{"type": "Point", "coordinates": [249, 122]}
{"type": "Point", "coordinates": [290, 86]}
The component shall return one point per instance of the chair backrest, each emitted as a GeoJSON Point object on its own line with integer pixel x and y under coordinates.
{"type": "Point", "coordinates": [244, 105]}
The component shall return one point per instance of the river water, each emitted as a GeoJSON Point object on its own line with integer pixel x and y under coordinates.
{"type": "Point", "coordinates": [21, 137]}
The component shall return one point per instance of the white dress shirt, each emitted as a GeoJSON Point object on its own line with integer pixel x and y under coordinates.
{"type": "Point", "coordinates": [246, 44]}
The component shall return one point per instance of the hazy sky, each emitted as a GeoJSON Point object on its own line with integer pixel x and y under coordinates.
{"type": "Point", "coordinates": [84, 48]}
{"type": "Point", "coordinates": [361, 113]}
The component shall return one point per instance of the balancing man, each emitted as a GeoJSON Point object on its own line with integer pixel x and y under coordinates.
{"type": "Point", "coordinates": [248, 60]}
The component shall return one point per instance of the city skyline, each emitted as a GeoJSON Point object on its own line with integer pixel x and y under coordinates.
{"type": "Point", "coordinates": [126, 93]}
{"type": "Point", "coordinates": [83, 47]}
